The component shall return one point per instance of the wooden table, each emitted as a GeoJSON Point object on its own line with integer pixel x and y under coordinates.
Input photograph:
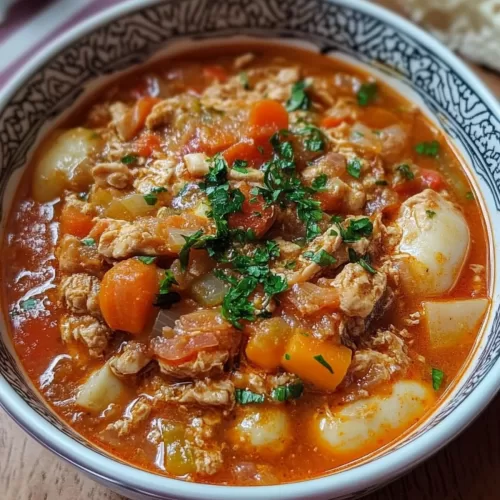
{"type": "Point", "coordinates": [467, 469]}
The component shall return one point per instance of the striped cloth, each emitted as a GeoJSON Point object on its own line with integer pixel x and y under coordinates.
{"type": "Point", "coordinates": [28, 26]}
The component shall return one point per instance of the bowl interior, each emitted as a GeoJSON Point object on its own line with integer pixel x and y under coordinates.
{"type": "Point", "coordinates": [406, 59]}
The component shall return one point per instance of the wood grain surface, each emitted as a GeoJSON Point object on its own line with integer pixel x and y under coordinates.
{"type": "Point", "coordinates": [467, 469]}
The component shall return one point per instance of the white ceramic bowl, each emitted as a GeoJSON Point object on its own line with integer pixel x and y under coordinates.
{"type": "Point", "coordinates": [389, 46]}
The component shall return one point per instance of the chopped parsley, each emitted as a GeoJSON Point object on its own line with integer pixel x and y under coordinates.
{"type": "Point", "coordinates": [469, 195]}
{"type": "Point", "coordinates": [245, 397]}
{"type": "Point", "coordinates": [191, 241]}
{"type": "Point", "coordinates": [165, 297]}
{"type": "Point", "coordinates": [146, 260]}
{"type": "Point", "coordinates": [405, 171]}
{"type": "Point", "coordinates": [298, 98]}
{"type": "Point", "coordinates": [88, 242]}
{"type": "Point", "coordinates": [322, 258]}
{"type": "Point", "coordinates": [287, 356]}
{"type": "Point", "coordinates": [287, 392]}
{"type": "Point", "coordinates": [356, 229]}
{"type": "Point", "coordinates": [322, 361]}
{"type": "Point", "coordinates": [244, 80]}
{"type": "Point", "coordinates": [354, 168]}
{"type": "Point", "coordinates": [314, 139]}
{"type": "Point", "coordinates": [430, 213]}
{"type": "Point", "coordinates": [367, 93]}
{"type": "Point", "coordinates": [291, 264]}
{"type": "Point", "coordinates": [150, 198]}
{"type": "Point", "coordinates": [437, 378]}
{"type": "Point", "coordinates": [364, 262]}
{"type": "Point", "coordinates": [428, 148]}
{"type": "Point", "coordinates": [240, 166]}
{"type": "Point", "coordinates": [337, 219]}
{"type": "Point", "coordinates": [128, 159]}
{"type": "Point", "coordinates": [28, 304]}
{"type": "Point", "coordinates": [319, 184]}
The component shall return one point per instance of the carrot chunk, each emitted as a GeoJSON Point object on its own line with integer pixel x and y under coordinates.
{"type": "Point", "coordinates": [127, 295]}
{"type": "Point", "coordinates": [266, 118]}
{"type": "Point", "coordinates": [74, 222]}
{"type": "Point", "coordinates": [321, 363]}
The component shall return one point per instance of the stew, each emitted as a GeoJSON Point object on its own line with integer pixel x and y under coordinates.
{"type": "Point", "coordinates": [246, 266]}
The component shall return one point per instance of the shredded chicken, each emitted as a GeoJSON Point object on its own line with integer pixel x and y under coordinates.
{"type": "Point", "coordinates": [87, 329]}
{"type": "Point", "coordinates": [136, 413]}
{"type": "Point", "coordinates": [75, 257]}
{"type": "Point", "coordinates": [131, 360]}
{"type": "Point", "coordinates": [80, 294]}
{"type": "Point", "coordinates": [205, 364]}
{"type": "Point", "coordinates": [202, 392]}
{"type": "Point", "coordinates": [116, 175]}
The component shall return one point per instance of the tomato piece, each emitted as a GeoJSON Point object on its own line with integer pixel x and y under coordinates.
{"type": "Point", "coordinates": [254, 215]}
{"type": "Point", "coordinates": [218, 140]}
{"type": "Point", "coordinates": [331, 121]}
{"type": "Point", "coordinates": [128, 291]}
{"type": "Point", "coordinates": [147, 143]}
{"type": "Point", "coordinates": [266, 118]}
{"type": "Point", "coordinates": [249, 151]}
{"type": "Point", "coordinates": [182, 348]}
{"type": "Point", "coordinates": [215, 72]}
{"type": "Point", "coordinates": [431, 179]}
{"type": "Point", "coordinates": [133, 121]}
{"type": "Point", "coordinates": [329, 200]}
{"type": "Point", "coordinates": [74, 222]}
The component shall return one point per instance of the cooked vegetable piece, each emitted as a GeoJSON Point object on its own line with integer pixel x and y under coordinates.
{"type": "Point", "coordinates": [208, 290]}
{"type": "Point", "coordinates": [453, 322]}
{"type": "Point", "coordinates": [321, 363]}
{"type": "Point", "coordinates": [74, 221]}
{"type": "Point", "coordinates": [267, 117]}
{"type": "Point", "coordinates": [129, 208]}
{"type": "Point", "coordinates": [128, 291]}
{"type": "Point", "coordinates": [178, 456]}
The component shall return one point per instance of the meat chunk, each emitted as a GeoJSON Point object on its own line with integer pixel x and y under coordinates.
{"type": "Point", "coordinates": [131, 360]}
{"type": "Point", "coordinates": [80, 294]}
{"type": "Point", "coordinates": [136, 413]}
{"type": "Point", "coordinates": [120, 239]}
{"type": "Point", "coordinates": [87, 329]}
{"type": "Point", "coordinates": [379, 359]}
{"type": "Point", "coordinates": [206, 363]}
{"type": "Point", "coordinates": [262, 383]}
{"type": "Point", "coordinates": [277, 86]}
{"type": "Point", "coordinates": [202, 392]}
{"type": "Point", "coordinates": [165, 111]}
{"type": "Point", "coordinates": [359, 290]}
{"type": "Point", "coordinates": [114, 174]}
{"type": "Point", "coordinates": [75, 257]}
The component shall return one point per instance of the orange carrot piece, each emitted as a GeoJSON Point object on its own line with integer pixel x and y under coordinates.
{"type": "Point", "coordinates": [266, 118]}
{"type": "Point", "coordinates": [74, 222]}
{"type": "Point", "coordinates": [147, 143]}
{"type": "Point", "coordinates": [127, 295]}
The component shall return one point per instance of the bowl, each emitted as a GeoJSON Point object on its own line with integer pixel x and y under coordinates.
{"type": "Point", "coordinates": [400, 53]}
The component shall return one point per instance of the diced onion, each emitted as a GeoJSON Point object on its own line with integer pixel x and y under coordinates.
{"type": "Point", "coordinates": [129, 208]}
{"type": "Point", "coordinates": [176, 240]}
{"type": "Point", "coordinates": [208, 290]}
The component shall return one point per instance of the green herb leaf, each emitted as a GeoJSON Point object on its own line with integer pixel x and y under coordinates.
{"type": "Point", "coordinates": [244, 80]}
{"type": "Point", "coordinates": [319, 184]}
{"type": "Point", "coordinates": [165, 298]}
{"type": "Point", "coordinates": [437, 378]}
{"type": "Point", "coordinates": [469, 195]}
{"type": "Point", "coordinates": [150, 199]}
{"type": "Point", "coordinates": [322, 361]}
{"type": "Point", "coordinates": [128, 159]}
{"type": "Point", "coordinates": [191, 241]}
{"type": "Point", "coordinates": [367, 93]}
{"type": "Point", "coordinates": [354, 168]}
{"type": "Point", "coordinates": [288, 392]}
{"type": "Point", "coordinates": [240, 166]}
{"type": "Point", "coordinates": [364, 262]}
{"type": "Point", "coordinates": [356, 229]}
{"type": "Point", "coordinates": [299, 98]}
{"type": "Point", "coordinates": [245, 397]}
{"type": "Point", "coordinates": [291, 264]}
{"type": "Point", "coordinates": [146, 260]}
{"type": "Point", "coordinates": [314, 138]}
{"type": "Point", "coordinates": [430, 213]}
{"type": "Point", "coordinates": [322, 258]}
{"type": "Point", "coordinates": [428, 148]}
{"type": "Point", "coordinates": [28, 304]}
{"type": "Point", "coordinates": [405, 170]}
{"type": "Point", "coordinates": [287, 356]}
{"type": "Point", "coordinates": [337, 219]}
{"type": "Point", "coordinates": [88, 242]}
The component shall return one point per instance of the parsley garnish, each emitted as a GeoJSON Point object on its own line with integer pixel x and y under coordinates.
{"type": "Point", "coordinates": [150, 199]}
{"type": "Point", "coordinates": [128, 159]}
{"type": "Point", "coordinates": [245, 397]}
{"type": "Point", "coordinates": [314, 139]}
{"type": "Point", "coordinates": [428, 148]}
{"type": "Point", "coordinates": [292, 264]}
{"type": "Point", "coordinates": [356, 229]}
{"type": "Point", "coordinates": [437, 378]}
{"type": "Point", "coordinates": [191, 241]}
{"type": "Point", "coordinates": [364, 262]}
{"type": "Point", "coordinates": [287, 392]}
{"type": "Point", "coordinates": [322, 258]}
{"type": "Point", "coordinates": [88, 242]}
{"type": "Point", "coordinates": [430, 213]}
{"type": "Point", "coordinates": [240, 166]}
{"type": "Point", "coordinates": [367, 93]}
{"type": "Point", "coordinates": [405, 171]}
{"type": "Point", "coordinates": [319, 184]}
{"type": "Point", "coordinates": [146, 260]}
{"type": "Point", "coordinates": [469, 195]}
{"type": "Point", "coordinates": [165, 298]}
{"type": "Point", "coordinates": [299, 98]}
{"type": "Point", "coordinates": [244, 80]}
{"type": "Point", "coordinates": [337, 219]}
{"type": "Point", "coordinates": [354, 168]}
{"type": "Point", "coordinates": [322, 361]}
{"type": "Point", "coordinates": [287, 356]}
{"type": "Point", "coordinates": [28, 304]}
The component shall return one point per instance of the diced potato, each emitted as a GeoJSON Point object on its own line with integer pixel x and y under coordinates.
{"type": "Point", "coordinates": [100, 390]}
{"type": "Point", "coordinates": [368, 421]}
{"type": "Point", "coordinates": [453, 322]}
{"type": "Point", "coordinates": [197, 164]}
{"type": "Point", "coordinates": [265, 431]}
{"type": "Point", "coordinates": [434, 244]}
{"type": "Point", "coordinates": [63, 163]}
{"type": "Point", "coordinates": [129, 208]}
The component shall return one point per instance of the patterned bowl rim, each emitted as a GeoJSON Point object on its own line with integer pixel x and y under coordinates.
{"type": "Point", "coordinates": [359, 479]}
